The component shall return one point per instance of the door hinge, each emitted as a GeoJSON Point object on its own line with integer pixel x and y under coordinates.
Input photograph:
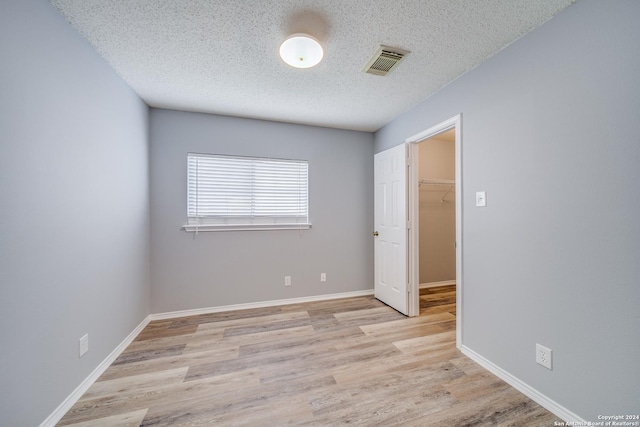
{"type": "Point", "coordinates": [409, 225]}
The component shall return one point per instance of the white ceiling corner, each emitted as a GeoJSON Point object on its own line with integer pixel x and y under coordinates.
{"type": "Point", "coordinates": [221, 57]}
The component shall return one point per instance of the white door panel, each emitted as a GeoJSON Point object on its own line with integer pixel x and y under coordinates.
{"type": "Point", "coordinates": [390, 219]}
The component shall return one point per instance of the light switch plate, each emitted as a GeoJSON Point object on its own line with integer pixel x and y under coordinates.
{"type": "Point", "coordinates": [481, 199]}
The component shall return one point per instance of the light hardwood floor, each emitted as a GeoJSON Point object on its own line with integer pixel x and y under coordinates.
{"type": "Point", "coordinates": [343, 362]}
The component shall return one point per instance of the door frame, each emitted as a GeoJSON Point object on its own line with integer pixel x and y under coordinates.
{"type": "Point", "coordinates": [414, 221]}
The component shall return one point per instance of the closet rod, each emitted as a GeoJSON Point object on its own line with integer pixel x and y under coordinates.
{"type": "Point", "coordinates": [436, 182]}
{"type": "Point", "coordinates": [451, 183]}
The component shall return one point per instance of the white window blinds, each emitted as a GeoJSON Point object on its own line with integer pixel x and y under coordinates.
{"type": "Point", "coordinates": [230, 192]}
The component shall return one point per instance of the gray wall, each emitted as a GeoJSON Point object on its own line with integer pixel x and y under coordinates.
{"type": "Point", "coordinates": [551, 132]}
{"type": "Point", "coordinates": [231, 267]}
{"type": "Point", "coordinates": [74, 210]}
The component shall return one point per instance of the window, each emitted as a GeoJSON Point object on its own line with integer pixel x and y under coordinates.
{"type": "Point", "coordinates": [245, 193]}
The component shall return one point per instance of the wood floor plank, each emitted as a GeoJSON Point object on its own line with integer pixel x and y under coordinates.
{"type": "Point", "coordinates": [233, 409]}
{"type": "Point", "coordinates": [210, 388]}
{"type": "Point", "coordinates": [265, 336]}
{"type": "Point", "coordinates": [406, 323]}
{"type": "Point", "coordinates": [426, 343]}
{"type": "Point", "coordinates": [446, 308]}
{"type": "Point", "coordinates": [294, 412]}
{"type": "Point", "coordinates": [353, 361]}
{"type": "Point", "coordinates": [467, 365]}
{"type": "Point", "coordinates": [164, 329]}
{"type": "Point", "coordinates": [207, 341]}
{"type": "Point", "coordinates": [343, 305]}
{"type": "Point", "coordinates": [250, 321]}
{"type": "Point", "coordinates": [159, 364]}
{"type": "Point", "coordinates": [155, 343]}
{"type": "Point", "coordinates": [135, 384]}
{"type": "Point", "coordinates": [377, 401]}
{"type": "Point", "coordinates": [127, 419]}
{"type": "Point", "coordinates": [359, 314]}
{"type": "Point", "coordinates": [408, 332]}
{"type": "Point", "coordinates": [154, 353]}
{"type": "Point", "coordinates": [255, 329]}
{"type": "Point", "coordinates": [238, 400]}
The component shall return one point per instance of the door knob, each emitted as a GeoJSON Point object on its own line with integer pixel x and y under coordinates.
{"type": "Point", "coordinates": [375, 233]}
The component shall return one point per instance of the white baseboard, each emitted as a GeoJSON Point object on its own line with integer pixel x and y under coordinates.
{"type": "Point", "coordinates": [273, 303]}
{"type": "Point", "coordinates": [533, 394]}
{"type": "Point", "coordinates": [436, 284]}
{"type": "Point", "coordinates": [84, 386]}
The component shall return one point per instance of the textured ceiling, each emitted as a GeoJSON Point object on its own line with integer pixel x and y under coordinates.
{"type": "Point", "coordinates": [221, 56]}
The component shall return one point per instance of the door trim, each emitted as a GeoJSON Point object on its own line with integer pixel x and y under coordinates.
{"type": "Point", "coordinates": [413, 199]}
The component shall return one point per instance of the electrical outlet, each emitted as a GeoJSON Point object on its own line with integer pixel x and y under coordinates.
{"type": "Point", "coordinates": [323, 277]}
{"type": "Point", "coordinates": [287, 280]}
{"type": "Point", "coordinates": [481, 198]}
{"type": "Point", "coordinates": [83, 345]}
{"type": "Point", "coordinates": [544, 356]}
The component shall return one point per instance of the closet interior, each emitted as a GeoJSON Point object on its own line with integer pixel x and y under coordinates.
{"type": "Point", "coordinates": [437, 205]}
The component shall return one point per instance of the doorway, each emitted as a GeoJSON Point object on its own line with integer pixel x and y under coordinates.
{"type": "Point", "coordinates": [435, 218]}
{"type": "Point", "coordinates": [437, 211]}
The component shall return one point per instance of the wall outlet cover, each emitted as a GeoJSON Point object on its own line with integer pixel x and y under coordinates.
{"type": "Point", "coordinates": [544, 356]}
{"type": "Point", "coordinates": [83, 345]}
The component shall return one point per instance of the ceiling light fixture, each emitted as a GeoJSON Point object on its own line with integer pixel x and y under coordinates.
{"type": "Point", "coordinates": [301, 51]}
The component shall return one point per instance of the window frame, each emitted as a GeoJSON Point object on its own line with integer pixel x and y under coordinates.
{"type": "Point", "coordinates": [256, 222]}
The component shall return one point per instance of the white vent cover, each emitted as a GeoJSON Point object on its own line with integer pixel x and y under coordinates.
{"type": "Point", "coordinates": [384, 60]}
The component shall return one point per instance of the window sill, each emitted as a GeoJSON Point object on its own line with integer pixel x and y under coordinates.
{"type": "Point", "coordinates": [238, 227]}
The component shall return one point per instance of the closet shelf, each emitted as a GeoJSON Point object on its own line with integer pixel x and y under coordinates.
{"type": "Point", "coordinates": [436, 182]}
{"type": "Point", "coordinates": [445, 182]}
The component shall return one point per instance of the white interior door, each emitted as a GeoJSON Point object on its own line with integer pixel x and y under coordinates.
{"type": "Point", "coordinates": [390, 220]}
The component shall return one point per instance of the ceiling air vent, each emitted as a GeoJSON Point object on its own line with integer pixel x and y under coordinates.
{"type": "Point", "coordinates": [384, 60]}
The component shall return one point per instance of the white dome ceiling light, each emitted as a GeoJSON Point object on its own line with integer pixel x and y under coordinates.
{"type": "Point", "coordinates": [301, 51]}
